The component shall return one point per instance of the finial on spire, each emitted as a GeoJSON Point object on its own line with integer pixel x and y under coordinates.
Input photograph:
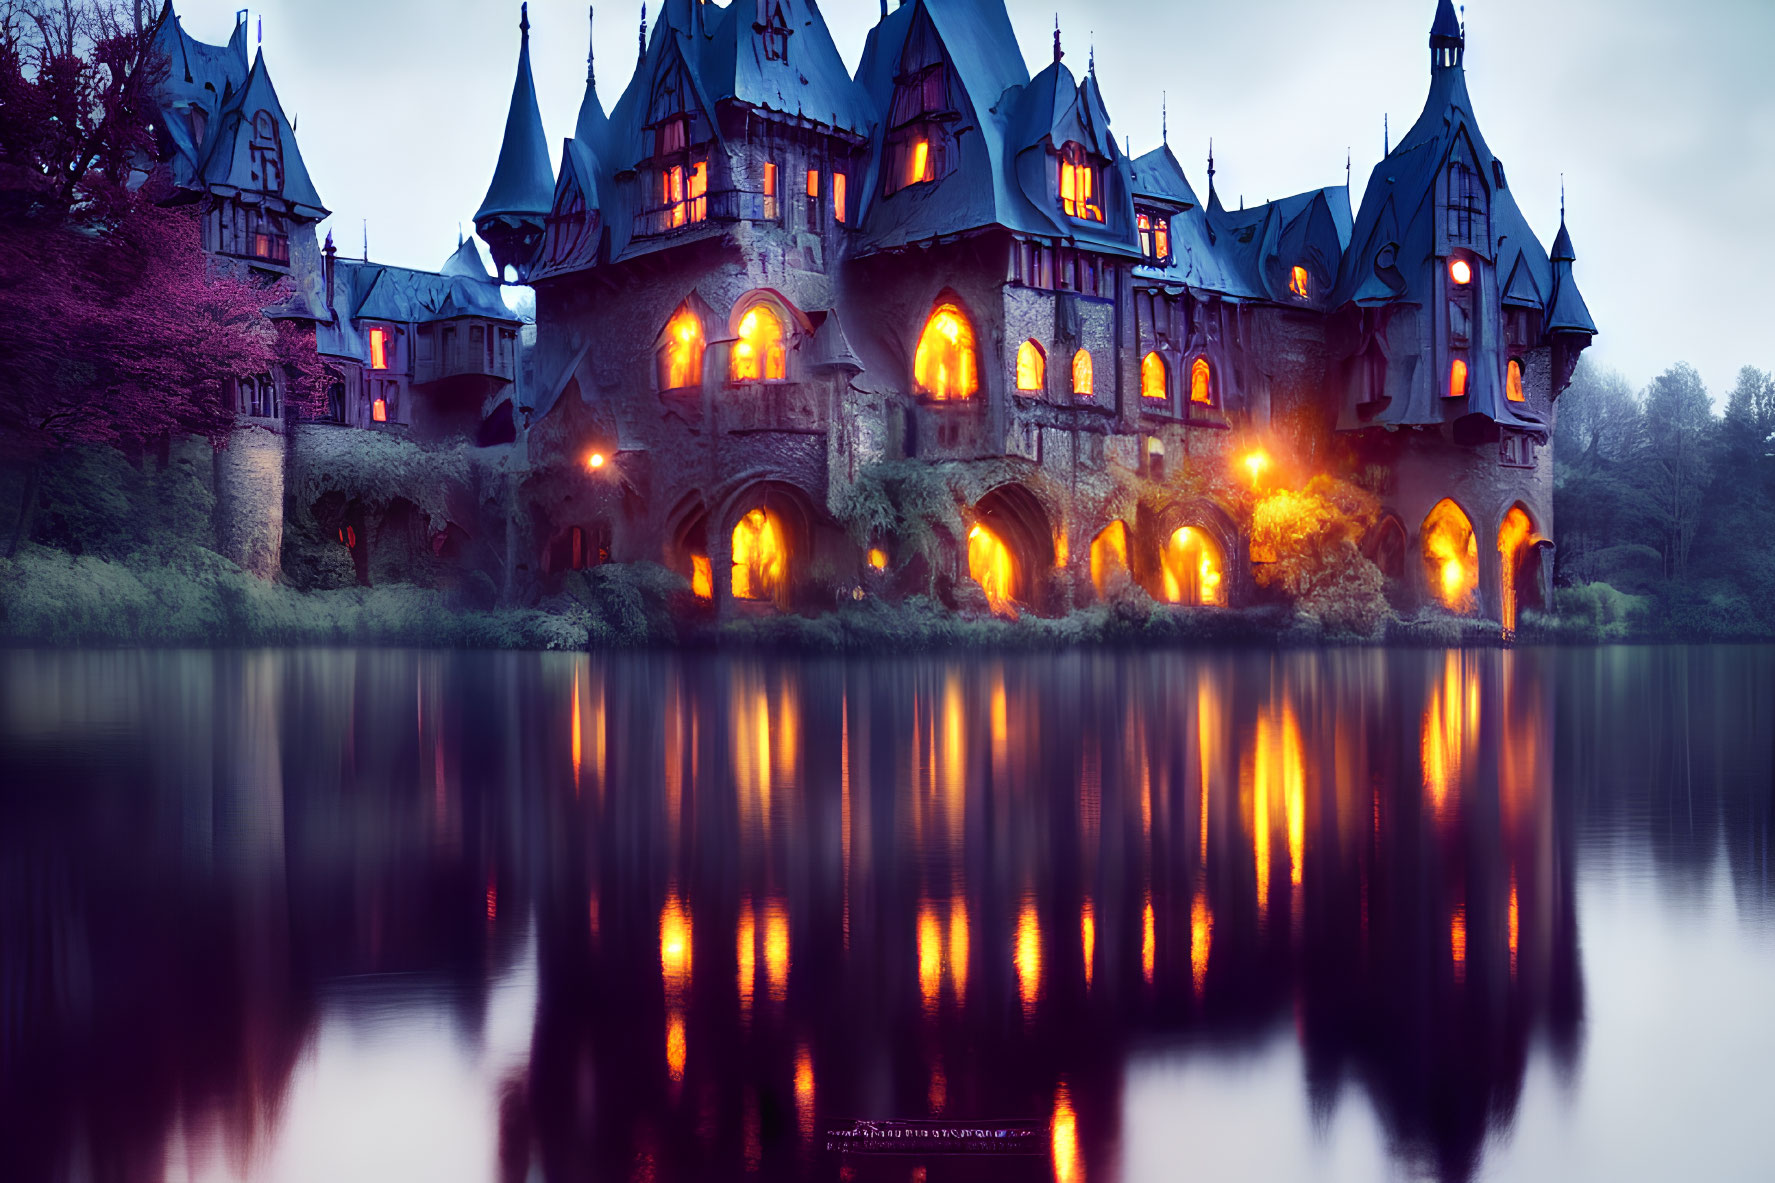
{"type": "Point", "coordinates": [1058, 52]}
{"type": "Point", "coordinates": [366, 240]}
{"type": "Point", "coordinates": [1562, 199]}
{"type": "Point", "coordinates": [1091, 65]}
{"type": "Point", "coordinates": [643, 52]}
{"type": "Point", "coordinates": [591, 44]}
{"type": "Point", "coordinates": [524, 19]}
{"type": "Point", "coordinates": [1386, 135]}
{"type": "Point", "coordinates": [1164, 118]}
{"type": "Point", "coordinates": [1348, 155]}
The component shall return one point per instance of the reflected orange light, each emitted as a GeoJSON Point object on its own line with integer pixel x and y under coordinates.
{"type": "Point", "coordinates": [702, 581]}
{"type": "Point", "coordinates": [1294, 781]}
{"type": "Point", "coordinates": [1514, 925]}
{"type": "Point", "coordinates": [1201, 937]}
{"type": "Point", "coordinates": [1028, 956]}
{"type": "Point", "coordinates": [674, 944]}
{"type": "Point", "coordinates": [958, 947]}
{"type": "Point", "coordinates": [930, 956]}
{"type": "Point", "coordinates": [675, 1047]}
{"type": "Point", "coordinates": [1450, 731]}
{"type": "Point", "coordinates": [804, 1090]}
{"type": "Point", "coordinates": [991, 566]}
{"type": "Point", "coordinates": [1064, 1133]}
{"type": "Point", "coordinates": [746, 950]}
{"type": "Point", "coordinates": [1088, 938]}
{"type": "Point", "coordinates": [937, 1095]}
{"type": "Point", "coordinates": [1148, 942]}
{"type": "Point", "coordinates": [1457, 941]}
{"type": "Point", "coordinates": [776, 950]}
{"type": "Point", "coordinates": [576, 730]}
{"type": "Point", "coordinates": [1260, 812]}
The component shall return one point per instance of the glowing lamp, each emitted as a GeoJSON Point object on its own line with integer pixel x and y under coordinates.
{"type": "Point", "coordinates": [1461, 272]}
{"type": "Point", "coordinates": [1255, 464]}
{"type": "Point", "coordinates": [595, 461]}
{"type": "Point", "coordinates": [878, 558]}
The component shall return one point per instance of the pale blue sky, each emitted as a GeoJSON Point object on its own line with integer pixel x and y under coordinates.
{"type": "Point", "coordinates": [1657, 113]}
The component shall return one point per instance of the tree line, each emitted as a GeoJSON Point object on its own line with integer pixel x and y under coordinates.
{"type": "Point", "coordinates": [1659, 496]}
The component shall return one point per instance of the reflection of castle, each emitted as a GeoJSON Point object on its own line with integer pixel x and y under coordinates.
{"type": "Point", "coordinates": [757, 275]}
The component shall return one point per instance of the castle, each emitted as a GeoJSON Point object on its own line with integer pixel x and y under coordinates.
{"type": "Point", "coordinates": [760, 280]}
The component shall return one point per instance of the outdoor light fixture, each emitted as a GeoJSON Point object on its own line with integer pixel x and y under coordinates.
{"type": "Point", "coordinates": [1256, 462]}
{"type": "Point", "coordinates": [1460, 271]}
{"type": "Point", "coordinates": [595, 461]}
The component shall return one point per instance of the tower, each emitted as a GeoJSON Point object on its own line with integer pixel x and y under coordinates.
{"type": "Point", "coordinates": [512, 216]}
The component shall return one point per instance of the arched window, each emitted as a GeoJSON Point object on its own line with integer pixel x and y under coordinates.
{"type": "Point", "coordinates": [1451, 556]}
{"type": "Point", "coordinates": [1078, 184]}
{"type": "Point", "coordinates": [1457, 379]}
{"type": "Point", "coordinates": [1516, 547]}
{"type": "Point", "coordinates": [991, 565]}
{"type": "Point", "coordinates": [946, 366]}
{"type": "Point", "coordinates": [759, 354]}
{"type": "Point", "coordinates": [1153, 378]}
{"type": "Point", "coordinates": [760, 557]}
{"type": "Point", "coordinates": [1194, 569]}
{"type": "Point", "coordinates": [1032, 368]}
{"type": "Point", "coordinates": [1513, 382]}
{"type": "Point", "coordinates": [681, 352]}
{"type": "Point", "coordinates": [1081, 373]}
{"type": "Point", "coordinates": [1109, 557]}
{"type": "Point", "coordinates": [1300, 283]}
{"type": "Point", "coordinates": [1201, 382]}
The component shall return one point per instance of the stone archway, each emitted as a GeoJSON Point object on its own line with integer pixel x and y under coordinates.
{"type": "Point", "coordinates": [1519, 555]}
{"type": "Point", "coordinates": [1450, 553]}
{"type": "Point", "coordinates": [1010, 547]}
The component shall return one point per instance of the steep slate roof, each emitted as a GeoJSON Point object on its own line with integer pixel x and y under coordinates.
{"type": "Point", "coordinates": [1567, 312]}
{"type": "Point", "coordinates": [467, 263]}
{"type": "Point", "coordinates": [1158, 176]}
{"type": "Point", "coordinates": [811, 83]}
{"type": "Point", "coordinates": [228, 162]}
{"type": "Point", "coordinates": [401, 295]}
{"type": "Point", "coordinates": [523, 181]}
{"type": "Point", "coordinates": [1397, 223]}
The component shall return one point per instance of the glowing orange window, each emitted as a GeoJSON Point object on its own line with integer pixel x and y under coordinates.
{"type": "Point", "coordinates": [1078, 185]}
{"type": "Point", "coordinates": [770, 192]}
{"type": "Point", "coordinates": [681, 354]}
{"type": "Point", "coordinates": [946, 366]}
{"type": "Point", "coordinates": [1161, 238]}
{"type": "Point", "coordinates": [760, 557]}
{"type": "Point", "coordinates": [1153, 381]}
{"type": "Point", "coordinates": [671, 197]}
{"type": "Point", "coordinates": [839, 184]}
{"type": "Point", "coordinates": [918, 163]}
{"type": "Point", "coordinates": [698, 193]}
{"type": "Point", "coordinates": [1460, 271]}
{"type": "Point", "coordinates": [759, 354]}
{"type": "Point", "coordinates": [1081, 373]}
{"type": "Point", "coordinates": [1032, 368]}
{"type": "Point", "coordinates": [1300, 284]}
{"type": "Point", "coordinates": [379, 410]}
{"type": "Point", "coordinates": [378, 349]}
{"type": "Point", "coordinates": [702, 585]}
{"type": "Point", "coordinates": [1201, 383]}
{"type": "Point", "coordinates": [1143, 223]}
{"type": "Point", "coordinates": [1457, 379]}
{"type": "Point", "coordinates": [813, 182]}
{"type": "Point", "coordinates": [1513, 383]}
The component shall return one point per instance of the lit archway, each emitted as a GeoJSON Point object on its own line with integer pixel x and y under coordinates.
{"type": "Point", "coordinates": [759, 350]}
{"type": "Point", "coordinates": [1201, 382]}
{"type": "Point", "coordinates": [1032, 368]}
{"type": "Point", "coordinates": [681, 351]}
{"type": "Point", "coordinates": [1009, 545]}
{"type": "Point", "coordinates": [1109, 557]}
{"type": "Point", "coordinates": [946, 366]}
{"type": "Point", "coordinates": [994, 568]}
{"type": "Point", "coordinates": [1153, 382]}
{"type": "Point", "coordinates": [1451, 557]}
{"type": "Point", "coordinates": [1521, 581]}
{"type": "Point", "coordinates": [760, 557]}
{"type": "Point", "coordinates": [1194, 569]}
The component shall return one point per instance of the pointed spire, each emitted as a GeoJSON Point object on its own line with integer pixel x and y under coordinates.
{"type": "Point", "coordinates": [1092, 64]}
{"type": "Point", "coordinates": [1210, 166]}
{"type": "Point", "coordinates": [591, 47]}
{"type": "Point", "coordinates": [1164, 118]}
{"type": "Point", "coordinates": [1386, 136]}
{"type": "Point", "coordinates": [1058, 52]}
{"type": "Point", "coordinates": [642, 55]}
{"type": "Point", "coordinates": [590, 127]}
{"type": "Point", "coordinates": [1448, 40]}
{"type": "Point", "coordinates": [524, 180]}
{"type": "Point", "coordinates": [1562, 243]}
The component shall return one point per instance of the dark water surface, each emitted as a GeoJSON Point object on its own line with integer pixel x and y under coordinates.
{"type": "Point", "coordinates": [1356, 915]}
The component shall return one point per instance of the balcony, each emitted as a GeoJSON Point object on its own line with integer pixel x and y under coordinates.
{"type": "Point", "coordinates": [697, 213]}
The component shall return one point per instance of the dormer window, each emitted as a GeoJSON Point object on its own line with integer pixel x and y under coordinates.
{"type": "Point", "coordinates": [267, 152]}
{"type": "Point", "coordinates": [1079, 190]}
{"type": "Point", "coordinates": [919, 144]}
{"type": "Point", "coordinates": [773, 31]}
{"type": "Point", "coordinates": [1466, 203]}
{"type": "Point", "coordinates": [1155, 236]}
{"type": "Point", "coordinates": [684, 194]}
{"type": "Point", "coordinates": [672, 136]}
{"type": "Point", "coordinates": [1513, 382]}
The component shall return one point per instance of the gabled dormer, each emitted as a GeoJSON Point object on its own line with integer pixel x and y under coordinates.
{"type": "Point", "coordinates": [677, 132]}
{"type": "Point", "coordinates": [924, 114]}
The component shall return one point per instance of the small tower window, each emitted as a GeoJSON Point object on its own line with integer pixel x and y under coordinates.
{"type": "Point", "coordinates": [379, 349]}
{"type": "Point", "coordinates": [1201, 382]}
{"type": "Point", "coordinates": [1155, 236]}
{"type": "Point", "coordinates": [759, 354]}
{"type": "Point", "coordinates": [681, 353]}
{"type": "Point", "coordinates": [1078, 185]}
{"type": "Point", "coordinates": [840, 183]}
{"type": "Point", "coordinates": [770, 191]}
{"type": "Point", "coordinates": [267, 152]}
{"type": "Point", "coordinates": [1153, 378]}
{"type": "Point", "coordinates": [1032, 368]}
{"type": "Point", "coordinates": [1457, 379]}
{"type": "Point", "coordinates": [1081, 373]}
{"type": "Point", "coordinates": [946, 366]}
{"type": "Point", "coordinates": [918, 137]}
{"type": "Point", "coordinates": [1513, 382]}
{"type": "Point", "coordinates": [1300, 283]}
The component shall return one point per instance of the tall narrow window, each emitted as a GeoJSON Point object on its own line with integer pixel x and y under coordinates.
{"type": "Point", "coordinates": [1300, 284]}
{"type": "Point", "coordinates": [681, 353]}
{"type": "Point", "coordinates": [1513, 383]}
{"type": "Point", "coordinates": [839, 184]}
{"type": "Point", "coordinates": [267, 153]}
{"type": "Point", "coordinates": [1143, 222]}
{"type": "Point", "coordinates": [1457, 379]}
{"type": "Point", "coordinates": [378, 349]}
{"type": "Point", "coordinates": [1078, 184]}
{"type": "Point", "coordinates": [1081, 373]}
{"type": "Point", "coordinates": [813, 184]}
{"type": "Point", "coordinates": [379, 410]}
{"type": "Point", "coordinates": [770, 191]}
{"type": "Point", "coordinates": [759, 354]}
{"type": "Point", "coordinates": [1032, 368]}
{"type": "Point", "coordinates": [1161, 238]}
{"type": "Point", "coordinates": [1153, 377]}
{"type": "Point", "coordinates": [760, 557]}
{"type": "Point", "coordinates": [918, 163]}
{"type": "Point", "coordinates": [698, 192]}
{"type": "Point", "coordinates": [1201, 382]}
{"type": "Point", "coordinates": [946, 366]}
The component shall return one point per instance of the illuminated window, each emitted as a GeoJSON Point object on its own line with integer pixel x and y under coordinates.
{"type": "Point", "coordinates": [878, 558]}
{"type": "Point", "coordinates": [1460, 271]}
{"type": "Point", "coordinates": [813, 182]}
{"type": "Point", "coordinates": [918, 163]}
{"type": "Point", "coordinates": [839, 184]}
{"type": "Point", "coordinates": [1032, 368]}
{"type": "Point", "coordinates": [1078, 185]}
{"type": "Point", "coordinates": [759, 353]}
{"type": "Point", "coordinates": [702, 584]}
{"type": "Point", "coordinates": [1457, 379]}
{"type": "Point", "coordinates": [681, 353]}
{"type": "Point", "coordinates": [946, 366]}
{"type": "Point", "coordinates": [1109, 557]}
{"type": "Point", "coordinates": [760, 557]}
{"type": "Point", "coordinates": [379, 410]}
{"type": "Point", "coordinates": [378, 349]}
{"type": "Point", "coordinates": [1451, 556]}
{"type": "Point", "coordinates": [1153, 378]}
{"type": "Point", "coordinates": [1081, 373]}
{"type": "Point", "coordinates": [684, 195]}
{"type": "Point", "coordinates": [1155, 235]}
{"type": "Point", "coordinates": [991, 565]}
{"type": "Point", "coordinates": [917, 147]}
{"type": "Point", "coordinates": [770, 191]}
{"type": "Point", "coordinates": [1299, 283]}
{"type": "Point", "coordinates": [1513, 383]}
{"type": "Point", "coordinates": [1201, 382]}
{"type": "Point", "coordinates": [1193, 569]}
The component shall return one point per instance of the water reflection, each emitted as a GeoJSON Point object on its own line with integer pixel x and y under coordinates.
{"type": "Point", "coordinates": [374, 915]}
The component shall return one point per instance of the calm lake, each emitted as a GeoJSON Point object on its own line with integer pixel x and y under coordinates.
{"type": "Point", "coordinates": [1354, 915]}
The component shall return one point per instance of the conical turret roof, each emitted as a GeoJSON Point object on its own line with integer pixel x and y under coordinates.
{"type": "Point", "coordinates": [524, 181]}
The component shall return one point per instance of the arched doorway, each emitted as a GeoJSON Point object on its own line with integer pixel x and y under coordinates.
{"type": "Point", "coordinates": [1009, 545]}
{"type": "Point", "coordinates": [1451, 557]}
{"type": "Point", "coordinates": [1519, 554]}
{"type": "Point", "coordinates": [770, 536]}
{"type": "Point", "coordinates": [1387, 547]}
{"type": "Point", "coordinates": [689, 554]}
{"type": "Point", "coordinates": [1193, 567]}
{"type": "Point", "coordinates": [1109, 558]}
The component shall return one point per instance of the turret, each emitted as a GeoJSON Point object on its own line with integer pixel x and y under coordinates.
{"type": "Point", "coordinates": [513, 215]}
{"type": "Point", "coordinates": [1569, 325]}
{"type": "Point", "coordinates": [1448, 41]}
